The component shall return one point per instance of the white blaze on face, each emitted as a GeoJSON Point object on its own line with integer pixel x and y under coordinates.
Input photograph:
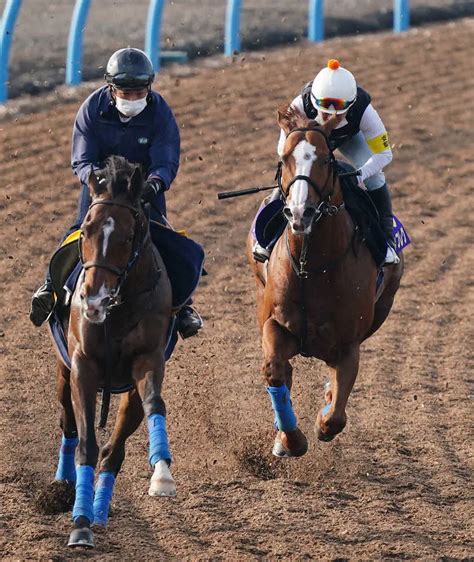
{"type": "Point", "coordinates": [304, 155]}
{"type": "Point", "coordinates": [108, 228]}
{"type": "Point", "coordinates": [94, 301]}
{"type": "Point", "coordinates": [94, 309]}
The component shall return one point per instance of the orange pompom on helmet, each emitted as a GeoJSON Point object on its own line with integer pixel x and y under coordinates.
{"type": "Point", "coordinates": [334, 89]}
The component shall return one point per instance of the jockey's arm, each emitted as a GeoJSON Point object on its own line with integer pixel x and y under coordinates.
{"type": "Point", "coordinates": [164, 151]}
{"type": "Point", "coordinates": [376, 137]}
{"type": "Point", "coordinates": [85, 146]}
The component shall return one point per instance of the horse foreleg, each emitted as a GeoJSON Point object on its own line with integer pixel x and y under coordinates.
{"type": "Point", "coordinates": [148, 373]}
{"type": "Point", "coordinates": [84, 377]}
{"type": "Point", "coordinates": [279, 346]}
{"type": "Point", "coordinates": [66, 469]}
{"type": "Point", "coordinates": [332, 418]}
{"type": "Point", "coordinates": [129, 417]}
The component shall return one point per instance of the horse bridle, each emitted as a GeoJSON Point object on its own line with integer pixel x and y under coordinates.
{"type": "Point", "coordinates": [324, 207]}
{"type": "Point", "coordinates": [138, 241]}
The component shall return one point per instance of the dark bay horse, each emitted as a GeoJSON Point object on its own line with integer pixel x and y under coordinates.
{"type": "Point", "coordinates": [317, 296]}
{"type": "Point", "coordinates": [117, 330]}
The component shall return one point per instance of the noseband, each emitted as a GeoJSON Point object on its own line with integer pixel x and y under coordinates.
{"type": "Point", "coordinates": [139, 238]}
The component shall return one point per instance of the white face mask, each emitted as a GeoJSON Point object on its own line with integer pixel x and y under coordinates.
{"type": "Point", "coordinates": [130, 108]}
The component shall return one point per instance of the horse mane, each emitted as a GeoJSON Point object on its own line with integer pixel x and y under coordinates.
{"type": "Point", "coordinates": [115, 175]}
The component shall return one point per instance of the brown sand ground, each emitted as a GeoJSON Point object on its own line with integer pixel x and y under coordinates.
{"type": "Point", "coordinates": [396, 483]}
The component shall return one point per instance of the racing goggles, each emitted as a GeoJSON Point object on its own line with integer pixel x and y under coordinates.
{"type": "Point", "coordinates": [333, 104]}
{"type": "Point", "coordinates": [126, 81]}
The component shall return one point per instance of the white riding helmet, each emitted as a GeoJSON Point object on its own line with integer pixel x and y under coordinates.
{"type": "Point", "coordinates": [334, 89]}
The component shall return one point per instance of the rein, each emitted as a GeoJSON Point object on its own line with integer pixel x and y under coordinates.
{"type": "Point", "coordinates": [323, 208]}
{"type": "Point", "coordinates": [139, 240]}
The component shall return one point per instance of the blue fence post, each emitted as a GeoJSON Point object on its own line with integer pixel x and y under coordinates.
{"type": "Point", "coordinates": [74, 47]}
{"type": "Point", "coordinates": [232, 27]}
{"type": "Point", "coordinates": [401, 15]}
{"type": "Point", "coordinates": [316, 20]}
{"type": "Point", "coordinates": [153, 32]}
{"type": "Point", "coordinates": [7, 25]}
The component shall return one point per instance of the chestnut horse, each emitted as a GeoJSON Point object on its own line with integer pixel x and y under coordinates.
{"type": "Point", "coordinates": [317, 295]}
{"type": "Point", "coordinates": [118, 323]}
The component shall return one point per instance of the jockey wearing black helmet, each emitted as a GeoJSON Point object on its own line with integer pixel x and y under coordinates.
{"type": "Point", "coordinates": [129, 69]}
{"type": "Point", "coordinates": [124, 118]}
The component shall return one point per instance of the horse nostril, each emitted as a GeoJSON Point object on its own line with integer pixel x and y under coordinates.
{"type": "Point", "coordinates": [105, 301]}
{"type": "Point", "coordinates": [82, 296]}
{"type": "Point", "coordinates": [309, 212]}
{"type": "Point", "coordinates": [287, 212]}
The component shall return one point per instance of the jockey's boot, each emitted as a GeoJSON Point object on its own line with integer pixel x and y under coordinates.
{"type": "Point", "coordinates": [261, 253]}
{"type": "Point", "coordinates": [382, 201]}
{"type": "Point", "coordinates": [42, 303]}
{"type": "Point", "coordinates": [189, 322]}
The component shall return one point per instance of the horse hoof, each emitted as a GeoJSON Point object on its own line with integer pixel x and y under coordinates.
{"type": "Point", "coordinates": [333, 425]}
{"type": "Point", "coordinates": [323, 436]}
{"type": "Point", "coordinates": [291, 444]}
{"type": "Point", "coordinates": [162, 483]}
{"type": "Point", "coordinates": [81, 537]}
{"type": "Point", "coordinates": [162, 488]}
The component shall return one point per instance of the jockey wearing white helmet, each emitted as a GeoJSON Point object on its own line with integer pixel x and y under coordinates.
{"type": "Point", "coordinates": [360, 136]}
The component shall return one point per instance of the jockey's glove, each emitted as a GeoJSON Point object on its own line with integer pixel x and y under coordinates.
{"type": "Point", "coordinates": [360, 181]}
{"type": "Point", "coordinates": [153, 186]}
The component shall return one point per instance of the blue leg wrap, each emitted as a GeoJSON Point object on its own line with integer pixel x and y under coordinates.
{"type": "Point", "coordinates": [326, 409]}
{"type": "Point", "coordinates": [84, 493]}
{"type": "Point", "coordinates": [103, 494]}
{"type": "Point", "coordinates": [159, 448]}
{"type": "Point", "coordinates": [66, 468]}
{"type": "Point", "coordinates": [285, 418]}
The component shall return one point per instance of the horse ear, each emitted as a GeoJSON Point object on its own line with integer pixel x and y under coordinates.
{"type": "Point", "coordinates": [286, 118]}
{"type": "Point", "coordinates": [136, 183]}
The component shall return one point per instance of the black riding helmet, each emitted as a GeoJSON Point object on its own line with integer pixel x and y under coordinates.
{"type": "Point", "coordinates": [129, 69]}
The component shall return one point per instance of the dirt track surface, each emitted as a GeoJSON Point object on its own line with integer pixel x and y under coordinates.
{"type": "Point", "coordinates": [38, 56]}
{"type": "Point", "coordinates": [395, 483]}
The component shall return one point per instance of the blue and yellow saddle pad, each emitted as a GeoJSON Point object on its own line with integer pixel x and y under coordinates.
{"type": "Point", "coordinates": [183, 259]}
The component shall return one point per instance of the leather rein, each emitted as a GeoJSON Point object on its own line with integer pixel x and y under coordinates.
{"type": "Point", "coordinates": [316, 211]}
{"type": "Point", "coordinates": [140, 238]}
{"type": "Point", "coordinates": [323, 208]}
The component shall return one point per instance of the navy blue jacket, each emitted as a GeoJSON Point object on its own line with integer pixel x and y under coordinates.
{"type": "Point", "coordinates": [151, 138]}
